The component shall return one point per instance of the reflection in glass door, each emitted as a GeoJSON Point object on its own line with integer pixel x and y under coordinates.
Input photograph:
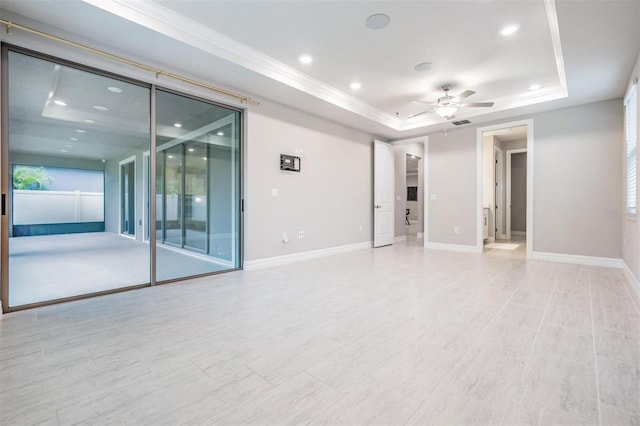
{"type": "Point", "coordinates": [197, 190]}
{"type": "Point", "coordinates": [128, 196]}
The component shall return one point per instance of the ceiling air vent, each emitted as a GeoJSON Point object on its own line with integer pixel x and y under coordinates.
{"type": "Point", "coordinates": [461, 122]}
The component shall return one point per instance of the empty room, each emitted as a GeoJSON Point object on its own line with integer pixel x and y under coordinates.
{"type": "Point", "coordinates": [319, 212]}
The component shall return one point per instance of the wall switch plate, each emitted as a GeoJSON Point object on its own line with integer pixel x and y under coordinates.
{"type": "Point", "coordinates": [398, 197]}
{"type": "Point", "coordinates": [274, 192]}
{"type": "Point", "coordinates": [285, 237]}
{"type": "Point", "coordinates": [433, 197]}
{"type": "Point", "coordinates": [301, 234]}
{"type": "Point", "coordinates": [456, 230]}
{"type": "Point", "coordinates": [361, 228]}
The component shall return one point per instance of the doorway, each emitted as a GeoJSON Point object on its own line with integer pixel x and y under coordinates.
{"type": "Point", "coordinates": [504, 189]}
{"type": "Point", "coordinates": [128, 197]}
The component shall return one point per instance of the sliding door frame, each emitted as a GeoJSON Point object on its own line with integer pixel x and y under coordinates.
{"type": "Point", "coordinates": [237, 183]}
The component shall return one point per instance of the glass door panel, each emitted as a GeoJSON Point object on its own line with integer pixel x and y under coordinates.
{"type": "Point", "coordinates": [71, 194]}
{"type": "Point", "coordinates": [198, 152]}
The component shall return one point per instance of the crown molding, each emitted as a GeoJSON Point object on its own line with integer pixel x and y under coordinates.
{"type": "Point", "coordinates": [156, 17]}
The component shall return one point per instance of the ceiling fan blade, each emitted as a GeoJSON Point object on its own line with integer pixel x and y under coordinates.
{"type": "Point", "coordinates": [425, 102]}
{"type": "Point", "coordinates": [477, 104]}
{"type": "Point", "coordinates": [417, 114]}
{"type": "Point", "coordinates": [462, 96]}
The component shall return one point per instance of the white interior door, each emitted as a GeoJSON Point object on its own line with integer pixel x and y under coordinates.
{"type": "Point", "coordinates": [383, 184]}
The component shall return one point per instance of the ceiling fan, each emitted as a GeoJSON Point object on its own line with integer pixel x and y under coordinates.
{"type": "Point", "coordinates": [447, 105]}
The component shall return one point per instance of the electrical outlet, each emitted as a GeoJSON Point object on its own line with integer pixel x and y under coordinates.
{"type": "Point", "coordinates": [285, 237]}
{"type": "Point", "coordinates": [456, 230]}
{"type": "Point", "coordinates": [301, 234]}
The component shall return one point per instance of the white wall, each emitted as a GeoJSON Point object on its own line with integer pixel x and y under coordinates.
{"type": "Point", "coordinates": [330, 199]}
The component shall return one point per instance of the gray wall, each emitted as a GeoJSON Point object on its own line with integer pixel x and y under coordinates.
{"type": "Point", "coordinates": [400, 160]}
{"type": "Point", "coordinates": [519, 192]}
{"type": "Point", "coordinates": [452, 179]}
{"type": "Point", "coordinates": [330, 199]}
{"type": "Point", "coordinates": [577, 178]}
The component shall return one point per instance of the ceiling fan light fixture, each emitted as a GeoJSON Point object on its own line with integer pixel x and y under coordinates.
{"type": "Point", "coordinates": [446, 112]}
{"type": "Point", "coordinates": [378, 21]}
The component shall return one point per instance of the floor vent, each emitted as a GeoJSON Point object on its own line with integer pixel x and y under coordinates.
{"type": "Point", "coordinates": [461, 122]}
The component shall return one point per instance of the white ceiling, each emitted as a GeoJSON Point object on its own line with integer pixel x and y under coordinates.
{"type": "Point", "coordinates": [579, 51]}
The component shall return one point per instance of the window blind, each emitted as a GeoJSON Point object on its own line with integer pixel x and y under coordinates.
{"type": "Point", "coordinates": [631, 134]}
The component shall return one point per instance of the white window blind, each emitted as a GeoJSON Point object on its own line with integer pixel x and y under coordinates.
{"type": "Point", "coordinates": [631, 135]}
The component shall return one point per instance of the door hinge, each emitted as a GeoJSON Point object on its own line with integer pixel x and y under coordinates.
{"type": "Point", "coordinates": [4, 204]}
{"type": "Point", "coordinates": [242, 206]}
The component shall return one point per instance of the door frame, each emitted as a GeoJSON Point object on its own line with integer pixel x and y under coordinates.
{"type": "Point", "coordinates": [425, 184]}
{"type": "Point", "coordinates": [121, 163]}
{"type": "Point", "coordinates": [509, 153]}
{"type": "Point", "coordinates": [479, 179]}
{"type": "Point", "coordinates": [499, 207]}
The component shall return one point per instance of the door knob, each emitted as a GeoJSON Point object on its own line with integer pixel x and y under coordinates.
{"type": "Point", "coordinates": [378, 206]}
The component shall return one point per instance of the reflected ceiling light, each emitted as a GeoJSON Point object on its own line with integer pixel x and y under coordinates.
{"type": "Point", "coordinates": [355, 85]}
{"type": "Point", "coordinates": [59, 102]}
{"type": "Point", "coordinates": [378, 21]}
{"type": "Point", "coordinates": [191, 149]}
{"type": "Point", "coordinates": [67, 145]}
{"type": "Point", "coordinates": [73, 139]}
{"type": "Point", "coordinates": [63, 150]}
{"type": "Point", "coordinates": [177, 125]}
{"type": "Point", "coordinates": [170, 156]}
{"type": "Point", "coordinates": [535, 86]}
{"type": "Point", "coordinates": [80, 131]}
{"type": "Point", "coordinates": [89, 121]}
{"type": "Point", "coordinates": [446, 112]}
{"type": "Point", "coordinates": [509, 29]}
{"type": "Point", "coordinates": [204, 158]}
{"type": "Point", "coordinates": [100, 108]}
{"type": "Point", "coordinates": [305, 59]}
{"type": "Point", "coordinates": [220, 133]}
{"type": "Point", "coordinates": [114, 89]}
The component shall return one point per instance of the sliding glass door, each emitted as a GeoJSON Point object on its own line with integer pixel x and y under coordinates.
{"type": "Point", "coordinates": [197, 187]}
{"type": "Point", "coordinates": [69, 171]}
{"type": "Point", "coordinates": [78, 161]}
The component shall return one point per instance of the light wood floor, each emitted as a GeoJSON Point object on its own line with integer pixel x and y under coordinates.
{"type": "Point", "coordinates": [396, 335]}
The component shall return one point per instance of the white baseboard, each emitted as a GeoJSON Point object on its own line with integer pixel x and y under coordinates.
{"type": "Point", "coordinates": [607, 262]}
{"type": "Point", "coordinates": [633, 281]}
{"type": "Point", "coordinates": [400, 239]}
{"type": "Point", "coordinates": [519, 233]}
{"type": "Point", "coordinates": [250, 265]}
{"type": "Point", "coordinates": [453, 247]}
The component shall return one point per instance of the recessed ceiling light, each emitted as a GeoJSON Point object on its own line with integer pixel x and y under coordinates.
{"type": "Point", "coordinates": [355, 85]}
{"type": "Point", "coordinates": [59, 102]}
{"type": "Point", "coordinates": [220, 133]}
{"type": "Point", "coordinates": [423, 66]}
{"type": "Point", "coordinates": [100, 108]}
{"type": "Point", "coordinates": [535, 86]}
{"type": "Point", "coordinates": [80, 131]}
{"type": "Point", "coordinates": [509, 29]}
{"type": "Point", "coordinates": [378, 21]}
{"type": "Point", "coordinates": [191, 149]}
{"type": "Point", "coordinates": [73, 139]}
{"type": "Point", "coordinates": [89, 121]}
{"type": "Point", "coordinates": [305, 59]}
{"type": "Point", "coordinates": [114, 89]}
{"type": "Point", "coordinates": [170, 156]}
{"type": "Point", "coordinates": [177, 125]}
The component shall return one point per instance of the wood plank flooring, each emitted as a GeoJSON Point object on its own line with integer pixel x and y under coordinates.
{"type": "Point", "coordinates": [396, 335]}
